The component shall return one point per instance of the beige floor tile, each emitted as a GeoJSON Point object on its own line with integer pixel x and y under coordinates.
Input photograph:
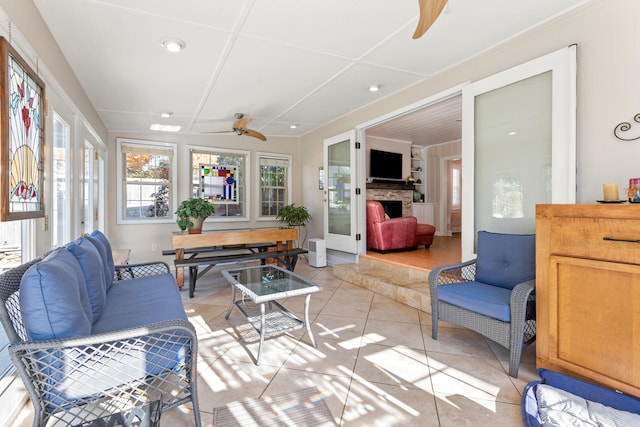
{"type": "Point", "coordinates": [342, 328]}
{"type": "Point", "coordinates": [471, 377]}
{"type": "Point", "coordinates": [462, 411]}
{"type": "Point", "coordinates": [341, 307]}
{"type": "Point", "coordinates": [383, 308]}
{"type": "Point", "coordinates": [328, 358]}
{"type": "Point", "coordinates": [374, 404]}
{"type": "Point", "coordinates": [350, 292]}
{"type": "Point", "coordinates": [334, 389]}
{"type": "Point", "coordinates": [393, 333]}
{"type": "Point", "coordinates": [225, 381]}
{"type": "Point", "coordinates": [457, 341]}
{"type": "Point", "coordinates": [394, 365]}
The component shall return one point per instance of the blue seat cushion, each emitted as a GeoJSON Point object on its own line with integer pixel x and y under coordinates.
{"type": "Point", "coordinates": [101, 243]}
{"type": "Point", "coordinates": [488, 300]}
{"type": "Point", "coordinates": [53, 298]}
{"type": "Point", "coordinates": [505, 259]}
{"type": "Point", "coordinates": [140, 301]}
{"type": "Point", "coordinates": [92, 267]}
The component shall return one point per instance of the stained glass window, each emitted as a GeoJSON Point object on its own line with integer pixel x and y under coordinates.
{"type": "Point", "coordinates": [22, 141]}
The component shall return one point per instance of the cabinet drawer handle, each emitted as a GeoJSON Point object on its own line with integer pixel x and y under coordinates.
{"type": "Point", "coordinates": [612, 239]}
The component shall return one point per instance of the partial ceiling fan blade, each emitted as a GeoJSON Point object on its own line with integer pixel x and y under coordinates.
{"type": "Point", "coordinates": [429, 12]}
{"type": "Point", "coordinates": [254, 134]}
{"type": "Point", "coordinates": [220, 131]}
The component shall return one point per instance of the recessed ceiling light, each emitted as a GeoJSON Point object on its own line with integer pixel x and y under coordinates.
{"type": "Point", "coordinates": [513, 132]}
{"type": "Point", "coordinates": [293, 126]}
{"type": "Point", "coordinates": [374, 88]}
{"type": "Point", "coordinates": [165, 128]}
{"type": "Point", "coordinates": [166, 114]}
{"type": "Point", "coordinates": [173, 45]}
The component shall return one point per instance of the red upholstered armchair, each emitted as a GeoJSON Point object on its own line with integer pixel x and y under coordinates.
{"type": "Point", "coordinates": [387, 234]}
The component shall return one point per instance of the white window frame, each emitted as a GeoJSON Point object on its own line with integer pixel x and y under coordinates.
{"type": "Point", "coordinates": [65, 226]}
{"type": "Point", "coordinates": [121, 180]}
{"type": "Point", "coordinates": [246, 180]}
{"type": "Point", "coordinates": [283, 160]}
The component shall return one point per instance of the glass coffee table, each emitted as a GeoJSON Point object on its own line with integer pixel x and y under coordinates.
{"type": "Point", "coordinates": [263, 285]}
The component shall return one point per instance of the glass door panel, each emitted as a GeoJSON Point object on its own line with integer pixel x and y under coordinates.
{"type": "Point", "coordinates": [339, 193]}
{"type": "Point", "coordinates": [518, 142]}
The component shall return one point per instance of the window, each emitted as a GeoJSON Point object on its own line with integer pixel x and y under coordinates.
{"type": "Point", "coordinates": [222, 157]}
{"type": "Point", "coordinates": [146, 190]}
{"type": "Point", "coordinates": [275, 184]}
{"type": "Point", "coordinates": [60, 219]}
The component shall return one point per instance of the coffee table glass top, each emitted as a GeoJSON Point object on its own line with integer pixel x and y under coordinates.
{"type": "Point", "coordinates": [267, 282]}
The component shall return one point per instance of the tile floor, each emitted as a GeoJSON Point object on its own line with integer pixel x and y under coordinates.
{"type": "Point", "coordinates": [376, 363]}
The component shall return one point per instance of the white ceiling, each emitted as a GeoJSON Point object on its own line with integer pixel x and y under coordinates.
{"type": "Point", "coordinates": [281, 62]}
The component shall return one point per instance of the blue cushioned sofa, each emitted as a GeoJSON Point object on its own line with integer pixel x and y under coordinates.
{"type": "Point", "coordinates": [91, 339]}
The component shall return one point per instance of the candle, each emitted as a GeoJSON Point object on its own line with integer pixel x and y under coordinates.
{"type": "Point", "coordinates": [611, 191]}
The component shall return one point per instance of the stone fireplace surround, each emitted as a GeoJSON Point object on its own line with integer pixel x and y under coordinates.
{"type": "Point", "coordinates": [393, 192]}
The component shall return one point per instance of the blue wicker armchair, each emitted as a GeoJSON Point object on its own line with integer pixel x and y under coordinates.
{"type": "Point", "coordinates": [493, 295]}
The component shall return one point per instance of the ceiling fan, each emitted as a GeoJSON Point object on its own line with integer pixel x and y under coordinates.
{"type": "Point", "coordinates": [429, 12]}
{"type": "Point", "coordinates": [240, 128]}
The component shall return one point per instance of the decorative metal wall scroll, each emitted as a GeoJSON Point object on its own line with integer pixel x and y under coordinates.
{"type": "Point", "coordinates": [21, 137]}
{"type": "Point", "coordinates": [626, 127]}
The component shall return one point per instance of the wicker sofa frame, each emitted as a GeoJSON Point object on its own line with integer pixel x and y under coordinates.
{"type": "Point", "coordinates": [80, 361]}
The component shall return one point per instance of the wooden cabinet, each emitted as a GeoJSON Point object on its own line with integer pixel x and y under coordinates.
{"type": "Point", "coordinates": [588, 292]}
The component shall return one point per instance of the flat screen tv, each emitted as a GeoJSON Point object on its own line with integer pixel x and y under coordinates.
{"type": "Point", "coordinates": [384, 164]}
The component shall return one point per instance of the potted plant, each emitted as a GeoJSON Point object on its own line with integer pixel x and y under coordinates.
{"type": "Point", "coordinates": [293, 215]}
{"type": "Point", "coordinates": [192, 213]}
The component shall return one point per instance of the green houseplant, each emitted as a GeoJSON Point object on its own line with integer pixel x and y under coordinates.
{"type": "Point", "coordinates": [293, 215]}
{"type": "Point", "coordinates": [192, 213]}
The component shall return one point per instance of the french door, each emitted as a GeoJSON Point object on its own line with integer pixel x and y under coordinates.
{"type": "Point", "coordinates": [340, 225]}
{"type": "Point", "coordinates": [518, 145]}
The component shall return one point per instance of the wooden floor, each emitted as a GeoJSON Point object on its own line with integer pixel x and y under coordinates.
{"type": "Point", "coordinates": [443, 251]}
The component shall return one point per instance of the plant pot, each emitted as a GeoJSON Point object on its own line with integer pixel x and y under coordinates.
{"type": "Point", "coordinates": [197, 225]}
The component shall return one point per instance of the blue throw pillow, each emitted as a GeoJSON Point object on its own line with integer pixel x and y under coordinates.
{"type": "Point", "coordinates": [101, 243]}
{"type": "Point", "coordinates": [53, 298]}
{"type": "Point", "coordinates": [92, 267]}
{"type": "Point", "coordinates": [505, 259]}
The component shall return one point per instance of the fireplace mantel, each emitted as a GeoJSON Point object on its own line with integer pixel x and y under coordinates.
{"type": "Point", "coordinates": [389, 186]}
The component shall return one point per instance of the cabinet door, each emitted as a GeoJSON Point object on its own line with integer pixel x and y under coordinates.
{"type": "Point", "coordinates": [594, 314]}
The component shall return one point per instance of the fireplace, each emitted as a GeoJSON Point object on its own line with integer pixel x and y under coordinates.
{"type": "Point", "coordinates": [393, 208]}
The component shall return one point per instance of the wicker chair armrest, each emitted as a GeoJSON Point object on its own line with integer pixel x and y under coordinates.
{"type": "Point", "coordinates": [131, 271]}
{"type": "Point", "coordinates": [98, 340]}
{"type": "Point", "coordinates": [522, 292]}
{"type": "Point", "coordinates": [523, 312]}
{"type": "Point", "coordinates": [452, 273]}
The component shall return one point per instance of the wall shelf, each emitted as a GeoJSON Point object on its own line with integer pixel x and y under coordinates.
{"type": "Point", "coordinates": [418, 165]}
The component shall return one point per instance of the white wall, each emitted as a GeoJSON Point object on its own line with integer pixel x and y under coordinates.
{"type": "Point", "coordinates": [607, 34]}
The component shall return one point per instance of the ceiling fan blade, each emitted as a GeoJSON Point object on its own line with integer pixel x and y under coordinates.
{"type": "Point", "coordinates": [254, 134]}
{"type": "Point", "coordinates": [429, 12]}
{"type": "Point", "coordinates": [241, 123]}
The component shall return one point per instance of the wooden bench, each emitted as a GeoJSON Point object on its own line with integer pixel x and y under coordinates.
{"type": "Point", "coordinates": [230, 247]}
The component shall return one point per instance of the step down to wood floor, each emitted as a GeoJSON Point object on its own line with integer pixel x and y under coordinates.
{"type": "Point", "coordinates": [401, 283]}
